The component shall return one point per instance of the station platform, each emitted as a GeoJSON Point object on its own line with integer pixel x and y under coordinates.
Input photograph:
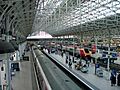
{"type": "Point", "coordinates": [102, 83]}
{"type": "Point", "coordinates": [117, 61]}
{"type": "Point", "coordinates": [23, 78]}
{"type": "Point", "coordinates": [56, 78]}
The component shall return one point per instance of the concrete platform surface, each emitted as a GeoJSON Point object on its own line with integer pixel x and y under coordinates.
{"type": "Point", "coordinates": [22, 79]}
{"type": "Point", "coordinates": [99, 82]}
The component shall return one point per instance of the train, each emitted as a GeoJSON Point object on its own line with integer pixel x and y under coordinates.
{"type": "Point", "coordinates": [78, 52]}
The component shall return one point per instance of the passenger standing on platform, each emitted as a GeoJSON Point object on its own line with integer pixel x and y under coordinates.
{"type": "Point", "coordinates": [67, 57]}
{"type": "Point", "coordinates": [97, 65]}
{"type": "Point", "coordinates": [56, 51]}
{"type": "Point", "coordinates": [86, 59]}
{"type": "Point", "coordinates": [49, 50]}
{"type": "Point", "coordinates": [88, 63]}
{"type": "Point", "coordinates": [113, 77]}
{"type": "Point", "coordinates": [67, 54]}
{"type": "Point", "coordinates": [118, 79]}
{"type": "Point", "coordinates": [70, 62]}
{"type": "Point", "coordinates": [62, 53]}
{"type": "Point", "coordinates": [80, 63]}
{"type": "Point", "coordinates": [66, 61]}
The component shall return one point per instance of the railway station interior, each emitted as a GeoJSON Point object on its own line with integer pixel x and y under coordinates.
{"type": "Point", "coordinates": [59, 44]}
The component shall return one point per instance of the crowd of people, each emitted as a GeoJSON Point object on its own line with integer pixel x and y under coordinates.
{"type": "Point", "coordinates": [115, 76]}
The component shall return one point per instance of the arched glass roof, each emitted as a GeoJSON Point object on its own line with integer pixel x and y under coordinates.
{"type": "Point", "coordinates": [60, 17]}
{"type": "Point", "coordinates": [66, 14]}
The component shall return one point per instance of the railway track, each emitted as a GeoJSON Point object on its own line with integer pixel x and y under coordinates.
{"type": "Point", "coordinates": [57, 74]}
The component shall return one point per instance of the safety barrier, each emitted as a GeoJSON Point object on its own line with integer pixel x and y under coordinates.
{"type": "Point", "coordinates": [43, 83]}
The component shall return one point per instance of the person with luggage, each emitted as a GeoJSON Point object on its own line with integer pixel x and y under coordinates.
{"type": "Point", "coordinates": [66, 60]}
{"type": "Point", "coordinates": [118, 79]}
{"type": "Point", "coordinates": [67, 54]}
{"type": "Point", "coordinates": [97, 65]}
{"type": "Point", "coordinates": [113, 77]}
{"type": "Point", "coordinates": [62, 53]}
{"type": "Point", "coordinates": [70, 63]}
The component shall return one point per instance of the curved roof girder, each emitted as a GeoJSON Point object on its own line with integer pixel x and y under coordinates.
{"type": "Point", "coordinates": [15, 14]}
{"type": "Point", "coordinates": [21, 13]}
{"type": "Point", "coordinates": [104, 24]}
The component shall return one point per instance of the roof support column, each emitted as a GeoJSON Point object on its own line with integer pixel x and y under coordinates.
{"type": "Point", "coordinates": [81, 34]}
{"type": "Point", "coordinates": [73, 48]}
{"type": "Point", "coordinates": [109, 42]}
{"type": "Point", "coordinates": [8, 76]}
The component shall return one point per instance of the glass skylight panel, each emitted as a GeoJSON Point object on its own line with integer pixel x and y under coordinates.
{"type": "Point", "coordinates": [84, 9]}
{"type": "Point", "coordinates": [86, 3]}
{"type": "Point", "coordinates": [92, 19]}
{"type": "Point", "coordinates": [117, 6]}
{"type": "Point", "coordinates": [59, 3]}
{"type": "Point", "coordinates": [118, 11]}
{"type": "Point", "coordinates": [74, 11]}
{"type": "Point", "coordinates": [77, 12]}
{"type": "Point", "coordinates": [104, 12]}
{"type": "Point", "coordinates": [93, 4]}
{"type": "Point", "coordinates": [113, 4]}
{"type": "Point", "coordinates": [94, 12]}
{"type": "Point", "coordinates": [89, 17]}
{"type": "Point", "coordinates": [76, 19]}
{"type": "Point", "coordinates": [101, 9]}
{"type": "Point", "coordinates": [101, 16]}
{"type": "Point", "coordinates": [104, 1]}
{"type": "Point", "coordinates": [85, 15]}
{"type": "Point", "coordinates": [76, 16]}
{"type": "Point", "coordinates": [49, 5]}
{"type": "Point", "coordinates": [110, 13]}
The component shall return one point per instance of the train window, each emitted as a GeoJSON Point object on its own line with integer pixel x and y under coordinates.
{"type": "Point", "coordinates": [86, 50]}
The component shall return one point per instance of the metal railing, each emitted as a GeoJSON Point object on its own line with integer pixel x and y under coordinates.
{"type": "Point", "coordinates": [42, 82]}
